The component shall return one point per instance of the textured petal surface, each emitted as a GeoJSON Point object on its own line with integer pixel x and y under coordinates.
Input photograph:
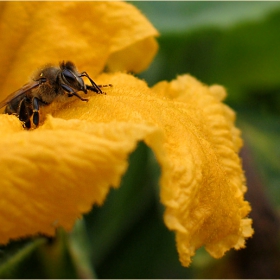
{"type": "Point", "coordinates": [205, 203]}
{"type": "Point", "coordinates": [184, 122]}
{"type": "Point", "coordinates": [52, 175]}
{"type": "Point", "coordinates": [205, 185]}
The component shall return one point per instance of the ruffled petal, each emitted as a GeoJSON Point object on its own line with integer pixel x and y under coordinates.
{"type": "Point", "coordinates": [205, 186]}
{"type": "Point", "coordinates": [205, 198]}
{"type": "Point", "coordinates": [52, 175]}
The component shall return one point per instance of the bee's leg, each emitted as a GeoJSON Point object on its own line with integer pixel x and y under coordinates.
{"type": "Point", "coordinates": [108, 85]}
{"type": "Point", "coordinates": [94, 87]}
{"type": "Point", "coordinates": [71, 92]}
{"type": "Point", "coordinates": [27, 124]}
{"type": "Point", "coordinates": [24, 113]}
{"type": "Point", "coordinates": [35, 105]}
{"type": "Point", "coordinates": [99, 86]}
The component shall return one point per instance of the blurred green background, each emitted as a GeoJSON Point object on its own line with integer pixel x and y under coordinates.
{"type": "Point", "coordinates": [237, 45]}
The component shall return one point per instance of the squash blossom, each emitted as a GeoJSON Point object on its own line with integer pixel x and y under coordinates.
{"type": "Point", "coordinates": [52, 175]}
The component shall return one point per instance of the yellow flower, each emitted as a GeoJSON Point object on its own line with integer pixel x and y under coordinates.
{"type": "Point", "coordinates": [52, 175]}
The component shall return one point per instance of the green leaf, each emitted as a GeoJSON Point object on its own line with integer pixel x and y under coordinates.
{"type": "Point", "coordinates": [18, 259]}
{"type": "Point", "coordinates": [235, 44]}
{"type": "Point", "coordinates": [187, 16]}
{"type": "Point", "coordinates": [262, 134]}
{"type": "Point", "coordinates": [79, 249]}
{"type": "Point", "coordinates": [55, 258]}
{"type": "Point", "coordinates": [123, 207]}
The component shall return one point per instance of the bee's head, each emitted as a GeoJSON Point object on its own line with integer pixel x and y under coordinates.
{"type": "Point", "coordinates": [72, 77]}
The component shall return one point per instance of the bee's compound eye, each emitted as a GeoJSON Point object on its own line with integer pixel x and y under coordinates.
{"type": "Point", "coordinates": [69, 76]}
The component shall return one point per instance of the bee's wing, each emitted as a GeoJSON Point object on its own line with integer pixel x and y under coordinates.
{"type": "Point", "coordinates": [19, 92]}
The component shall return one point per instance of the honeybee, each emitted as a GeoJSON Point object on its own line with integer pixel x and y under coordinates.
{"type": "Point", "coordinates": [46, 85]}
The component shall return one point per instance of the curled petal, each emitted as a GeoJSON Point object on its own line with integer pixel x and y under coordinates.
{"type": "Point", "coordinates": [52, 175]}
{"type": "Point", "coordinates": [190, 131]}
{"type": "Point", "coordinates": [133, 45]}
{"type": "Point", "coordinates": [203, 184]}
{"type": "Point", "coordinates": [91, 34]}
{"type": "Point", "coordinates": [205, 200]}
